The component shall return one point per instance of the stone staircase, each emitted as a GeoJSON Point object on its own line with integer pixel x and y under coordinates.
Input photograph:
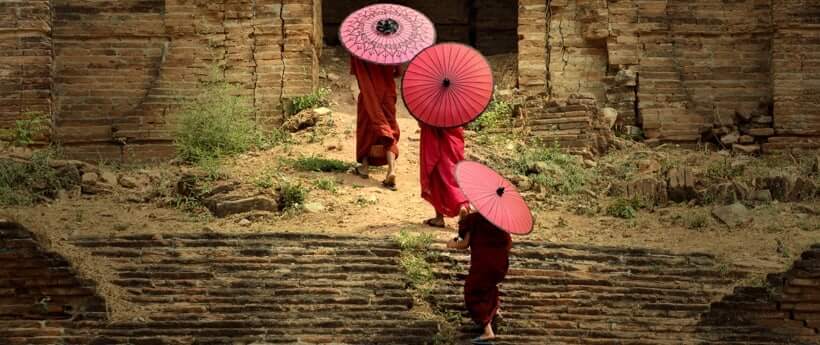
{"type": "Point", "coordinates": [291, 288]}
{"type": "Point", "coordinates": [236, 289]}
{"type": "Point", "coordinates": [786, 303]}
{"type": "Point", "coordinates": [270, 288]}
{"type": "Point", "coordinates": [569, 294]}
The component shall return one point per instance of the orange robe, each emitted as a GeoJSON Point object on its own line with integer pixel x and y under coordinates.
{"type": "Point", "coordinates": [489, 263]}
{"type": "Point", "coordinates": [440, 150]}
{"type": "Point", "coordinates": [377, 131]}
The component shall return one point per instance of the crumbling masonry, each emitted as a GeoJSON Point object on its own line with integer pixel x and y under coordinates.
{"type": "Point", "coordinates": [741, 73]}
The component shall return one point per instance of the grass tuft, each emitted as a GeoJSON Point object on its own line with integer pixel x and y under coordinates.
{"type": "Point", "coordinates": [24, 183]}
{"type": "Point", "coordinates": [497, 115]}
{"type": "Point", "coordinates": [291, 196]}
{"type": "Point", "coordinates": [320, 164]}
{"type": "Point", "coordinates": [318, 98]}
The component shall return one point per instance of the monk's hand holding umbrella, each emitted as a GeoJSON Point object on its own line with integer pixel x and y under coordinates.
{"type": "Point", "coordinates": [445, 87]}
{"type": "Point", "coordinates": [380, 37]}
{"type": "Point", "coordinates": [501, 211]}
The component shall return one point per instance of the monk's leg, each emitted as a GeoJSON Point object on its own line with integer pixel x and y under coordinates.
{"type": "Point", "coordinates": [364, 169]}
{"type": "Point", "coordinates": [437, 221]}
{"type": "Point", "coordinates": [391, 167]}
{"type": "Point", "coordinates": [488, 332]}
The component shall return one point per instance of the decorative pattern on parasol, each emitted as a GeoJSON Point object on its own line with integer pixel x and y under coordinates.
{"type": "Point", "coordinates": [447, 85]}
{"type": "Point", "coordinates": [387, 34]}
{"type": "Point", "coordinates": [494, 197]}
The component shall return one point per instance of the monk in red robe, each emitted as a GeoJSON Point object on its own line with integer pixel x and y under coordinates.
{"type": "Point", "coordinates": [377, 132]}
{"type": "Point", "coordinates": [440, 150]}
{"type": "Point", "coordinates": [489, 262]}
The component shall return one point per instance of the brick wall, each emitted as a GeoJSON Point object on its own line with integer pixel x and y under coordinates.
{"type": "Point", "coordinates": [25, 59]}
{"type": "Point", "coordinates": [796, 74]}
{"type": "Point", "coordinates": [489, 24]}
{"type": "Point", "coordinates": [42, 300]}
{"type": "Point", "coordinates": [682, 70]}
{"type": "Point", "coordinates": [121, 67]}
{"type": "Point", "coordinates": [784, 304]}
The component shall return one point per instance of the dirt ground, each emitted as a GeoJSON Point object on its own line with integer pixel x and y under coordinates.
{"type": "Point", "coordinates": [774, 239]}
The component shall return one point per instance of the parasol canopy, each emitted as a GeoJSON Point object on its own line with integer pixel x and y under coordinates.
{"type": "Point", "coordinates": [494, 197]}
{"type": "Point", "coordinates": [386, 34]}
{"type": "Point", "coordinates": [447, 85]}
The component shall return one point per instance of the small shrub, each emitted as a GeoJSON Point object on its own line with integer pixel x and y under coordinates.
{"type": "Point", "coordinates": [277, 137]}
{"type": "Point", "coordinates": [313, 100]}
{"type": "Point", "coordinates": [696, 220]}
{"type": "Point", "coordinates": [418, 270]}
{"type": "Point", "coordinates": [623, 208]}
{"type": "Point", "coordinates": [497, 115]}
{"type": "Point", "coordinates": [320, 164]}
{"type": "Point", "coordinates": [551, 168]}
{"type": "Point", "coordinates": [215, 124]}
{"type": "Point", "coordinates": [25, 183]}
{"type": "Point", "coordinates": [414, 243]}
{"type": "Point", "coordinates": [326, 184]}
{"type": "Point", "coordinates": [267, 180]}
{"type": "Point", "coordinates": [723, 170]}
{"type": "Point", "coordinates": [415, 249]}
{"type": "Point", "coordinates": [291, 196]}
{"type": "Point", "coordinates": [26, 130]}
{"type": "Point", "coordinates": [364, 202]}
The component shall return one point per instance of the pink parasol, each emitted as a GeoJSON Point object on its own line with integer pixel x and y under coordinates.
{"type": "Point", "coordinates": [447, 85]}
{"type": "Point", "coordinates": [494, 197]}
{"type": "Point", "coordinates": [386, 34]}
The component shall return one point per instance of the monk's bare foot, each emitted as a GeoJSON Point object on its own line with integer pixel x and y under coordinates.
{"type": "Point", "coordinates": [390, 182]}
{"type": "Point", "coordinates": [361, 171]}
{"type": "Point", "coordinates": [463, 212]}
{"type": "Point", "coordinates": [488, 332]}
{"type": "Point", "coordinates": [435, 222]}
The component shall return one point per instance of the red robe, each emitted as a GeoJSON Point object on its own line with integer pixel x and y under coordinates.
{"type": "Point", "coordinates": [489, 262]}
{"type": "Point", "coordinates": [441, 149]}
{"type": "Point", "coordinates": [376, 128]}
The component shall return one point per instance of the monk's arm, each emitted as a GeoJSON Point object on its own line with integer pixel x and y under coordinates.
{"type": "Point", "coordinates": [463, 244]}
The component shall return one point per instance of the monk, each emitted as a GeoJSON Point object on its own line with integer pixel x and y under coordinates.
{"type": "Point", "coordinates": [440, 150]}
{"type": "Point", "coordinates": [489, 262]}
{"type": "Point", "coordinates": [377, 132]}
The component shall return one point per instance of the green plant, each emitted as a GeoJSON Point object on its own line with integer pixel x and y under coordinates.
{"type": "Point", "coordinates": [623, 208]}
{"type": "Point", "coordinates": [414, 243]}
{"type": "Point", "coordinates": [696, 220]}
{"type": "Point", "coordinates": [364, 201]}
{"type": "Point", "coordinates": [723, 170]}
{"type": "Point", "coordinates": [277, 137]}
{"type": "Point", "coordinates": [551, 168]}
{"type": "Point", "coordinates": [497, 115]}
{"type": "Point", "coordinates": [415, 249]}
{"type": "Point", "coordinates": [320, 164]}
{"type": "Point", "coordinates": [326, 184]}
{"type": "Point", "coordinates": [23, 183]}
{"type": "Point", "coordinates": [215, 124]}
{"type": "Point", "coordinates": [25, 130]}
{"type": "Point", "coordinates": [267, 179]}
{"type": "Point", "coordinates": [316, 99]}
{"type": "Point", "coordinates": [291, 196]}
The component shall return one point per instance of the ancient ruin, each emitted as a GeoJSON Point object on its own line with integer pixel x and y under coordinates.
{"type": "Point", "coordinates": [667, 148]}
{"type": "Point", "coordinates": [108, 73]}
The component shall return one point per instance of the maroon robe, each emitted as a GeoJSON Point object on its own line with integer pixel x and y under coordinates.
{"type": "Point", "coordinates": [440, 150]}
{"type": "Point", "coordinates": [489, 263]}
{"type": "Point", "coordinates": [377, 130]}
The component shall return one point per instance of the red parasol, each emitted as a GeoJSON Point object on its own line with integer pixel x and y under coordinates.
{"type": "Point", "coordinates": [494, 197]}
{"type": "Point", "coordinates": [386, 34]}
{"type": "Point", "coordinates": [447, 85]}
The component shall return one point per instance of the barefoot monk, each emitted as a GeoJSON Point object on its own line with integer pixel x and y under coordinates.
{"type": "Point", "coordinates": [377, 132]}
{"type": "Point", "coordinates": [440, 150]}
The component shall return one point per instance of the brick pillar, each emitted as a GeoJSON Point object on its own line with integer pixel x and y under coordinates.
{"type": "Point", "coordinates": [25, 60]}
{"type": "Point", "coordinates": [532, 46]}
